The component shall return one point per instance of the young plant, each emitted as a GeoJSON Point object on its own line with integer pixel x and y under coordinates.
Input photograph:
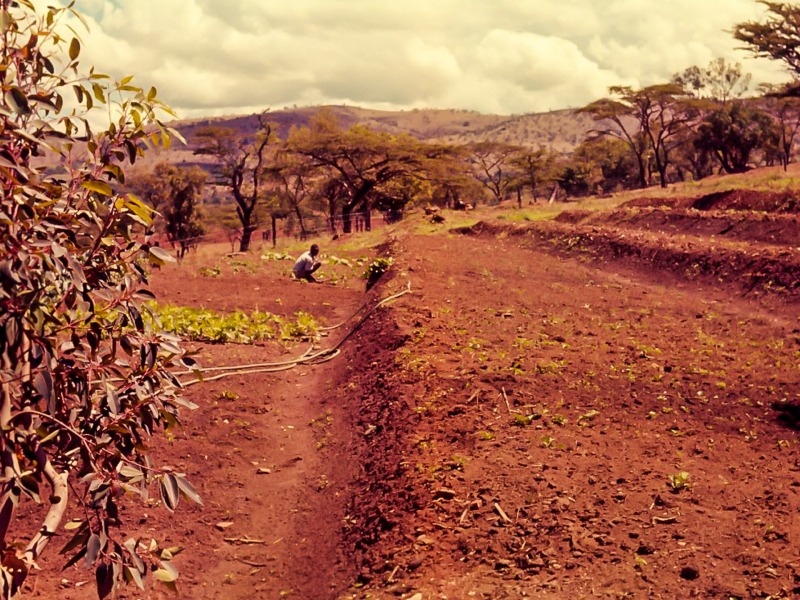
{"type": "Point", "coordinates": [547, 441]}
{"type": "Point", "coordinates": [376, 269]}
{"type": "Point", "coordinates": [678, 481]}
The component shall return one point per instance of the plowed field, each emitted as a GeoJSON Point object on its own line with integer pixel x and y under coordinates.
{"type": "Point", "coordinates": [601, 406]}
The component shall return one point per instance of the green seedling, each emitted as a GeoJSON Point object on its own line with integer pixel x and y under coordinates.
{"type": "Point", "coordinates": [523, 420]}
{"type": "Point", "coordinates": [585, 418]}
{"type": "Point", "coordinates": [207, 325]}
{"type": "Point", "coordinates": [376, 269]}
{"type": "Point", "coordinates": [546, 441]}
{"type": "Point", "coordinates": [516, 368]}
{"type": "Point", "coordinates": [551, 367]}
{"type": "Point", "coordinates": [335, 260]}
{"type": "Point", "coordinates": [522, 343]}
{"type": "Point", "coordinates": [275, 256]}
{"type": "Point", "coordinates": [678, 481]}
{"type": "Point", "coordinates": [210, 271]}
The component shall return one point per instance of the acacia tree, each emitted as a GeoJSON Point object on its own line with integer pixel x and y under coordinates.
{"type": "Point", "coordinates": [607, 162]}
{"type": "Point", "coordinates": [733, 133]}
{"type": "Point", "coordinates": [452, 185]}
{"type": "Point", "coordinates": [360, 159]}
{"type": "Point", "coordinates": [778, 37]}
{"type": "Point", "coordinates": [175, 192]}
{"type": "Point", "coordinates": [491, 164]}
{"type": "Point", "coordinates": [615, 120]}
{"type": "Point", "coordinates": [720, 81]}
{"type": "Point", "coordinates": [84, 379]}
{"type": "Point", "coordinates": [781, 103]}
{"type": "Point", "coordinates": [649, 121]}
{"type": "Point", "coordinates": [531, 168]}
{"type": "Point", "coordinates": [291, 179]}
{"type": "Point", "coordinates": [240, 160]}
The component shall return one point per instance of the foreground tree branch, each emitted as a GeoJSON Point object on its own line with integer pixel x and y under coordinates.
{"type": "Point", "coordinates": [84, 379]}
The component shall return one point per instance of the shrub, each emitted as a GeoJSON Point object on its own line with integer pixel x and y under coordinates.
{"type": "Point", "coordinates": [84, 381]}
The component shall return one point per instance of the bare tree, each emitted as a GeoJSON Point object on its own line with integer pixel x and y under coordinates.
{"type": "Point", "coordinates": [240, 163]}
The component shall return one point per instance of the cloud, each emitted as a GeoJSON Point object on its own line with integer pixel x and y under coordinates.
{"type": "Point", "coordinates": [508, 56]}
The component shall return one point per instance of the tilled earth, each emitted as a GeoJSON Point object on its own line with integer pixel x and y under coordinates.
{"type": "Point", "coordinates": [596, 407]}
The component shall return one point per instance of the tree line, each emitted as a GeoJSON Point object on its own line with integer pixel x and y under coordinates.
{"type": "Point", "coordinates": [698, 124]}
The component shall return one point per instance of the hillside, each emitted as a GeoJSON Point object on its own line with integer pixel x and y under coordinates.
{"type": "Point", "coordinates": [559, 130]}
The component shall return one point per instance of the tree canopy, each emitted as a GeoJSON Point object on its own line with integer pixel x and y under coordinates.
{"type": "Point", "coordinates": [176, 191]}
{"type": "Point", "coordinates": [777, 37]}
{"type": "Point", "coordinates": [360, 160]}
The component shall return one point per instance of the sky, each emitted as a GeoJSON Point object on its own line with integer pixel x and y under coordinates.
{"type": "Point", "coordinates": [229, 57]}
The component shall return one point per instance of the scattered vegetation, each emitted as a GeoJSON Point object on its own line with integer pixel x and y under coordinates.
{"type": "Point", "coordinates": [376, 269]}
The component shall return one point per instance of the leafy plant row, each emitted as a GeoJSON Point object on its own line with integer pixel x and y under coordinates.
{"type": "Point", "coordinates": [200, 324]}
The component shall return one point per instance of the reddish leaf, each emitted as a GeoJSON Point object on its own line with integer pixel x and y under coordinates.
{"type": "Point", "coordinates": [169, 491]}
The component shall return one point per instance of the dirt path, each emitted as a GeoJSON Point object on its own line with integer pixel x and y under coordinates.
{"type": "Point", "coordinates": [278, 469]}
{"type": "Point", "coordinates": [271, 481]}
{"type": "Point", "coordinates": [267, 452]}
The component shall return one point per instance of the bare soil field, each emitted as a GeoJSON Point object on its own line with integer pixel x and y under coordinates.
{"type": "Point", "coordinates": [602, 406]}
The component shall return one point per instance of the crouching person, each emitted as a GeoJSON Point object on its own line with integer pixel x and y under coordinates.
{"type": "Point", "coordinates": [307, 264]}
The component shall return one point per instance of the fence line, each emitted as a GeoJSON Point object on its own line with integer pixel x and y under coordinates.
{"type": "Point", "coordinates": [313, 224]}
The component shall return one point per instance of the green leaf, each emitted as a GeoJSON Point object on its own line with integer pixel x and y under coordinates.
{"type": "Point", "coordinates": [30, 487]}
{"type": "Point", "coordinates": [130, 472]}
{"type": "Point", "coordinates": [99, 93]}
{"type": "Point", "coordinates": [175, 133]}
{"type": "Point", "coordinates": [99, 187]}
{"type": "Point", "coordinates": [145, 294]}
{"type": "Point", "coordinates": [6, 20]}
{"type": "Point", "coordinates": [112, 401]}
{"type": "Point", "coordinates": [165, 576]}
{"type": "Point", "coordinates": [140, 209]}
{"type": "Point", "coordinates": [74, 524]}
{"type": "Point", "coordinates": [172, 551]}
{"type": "Point", "coordinates": [78, 539]}
{"type": "Point", "coordinates": [186, 404]}
{"type": "Point", "coordinates": [44, 385]}
{"type": "Point", "coordinates": [92, 549]}
{"type": "Point", "coordinates": [133, 575]}
{"type": "Point", "coordinates": [160, 256]}
{"type": "Point", "coordinates": [104, 576]}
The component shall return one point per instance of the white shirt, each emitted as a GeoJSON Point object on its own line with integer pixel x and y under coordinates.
{"type": "Point", "coordinates": [303, 265]}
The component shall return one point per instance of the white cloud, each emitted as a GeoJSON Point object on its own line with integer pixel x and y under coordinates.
{"type": "Point", "coordinates": [507, 56]}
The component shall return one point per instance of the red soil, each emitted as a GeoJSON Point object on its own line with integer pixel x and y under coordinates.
{"type": "Point", "coordinates": [578, 409]}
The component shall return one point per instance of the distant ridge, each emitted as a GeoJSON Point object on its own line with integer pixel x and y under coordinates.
{"type": "Point", "coordinates": [560, 131]}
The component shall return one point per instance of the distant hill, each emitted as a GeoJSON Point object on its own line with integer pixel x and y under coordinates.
{"type": "Point", "coordinates": [560, 131]}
